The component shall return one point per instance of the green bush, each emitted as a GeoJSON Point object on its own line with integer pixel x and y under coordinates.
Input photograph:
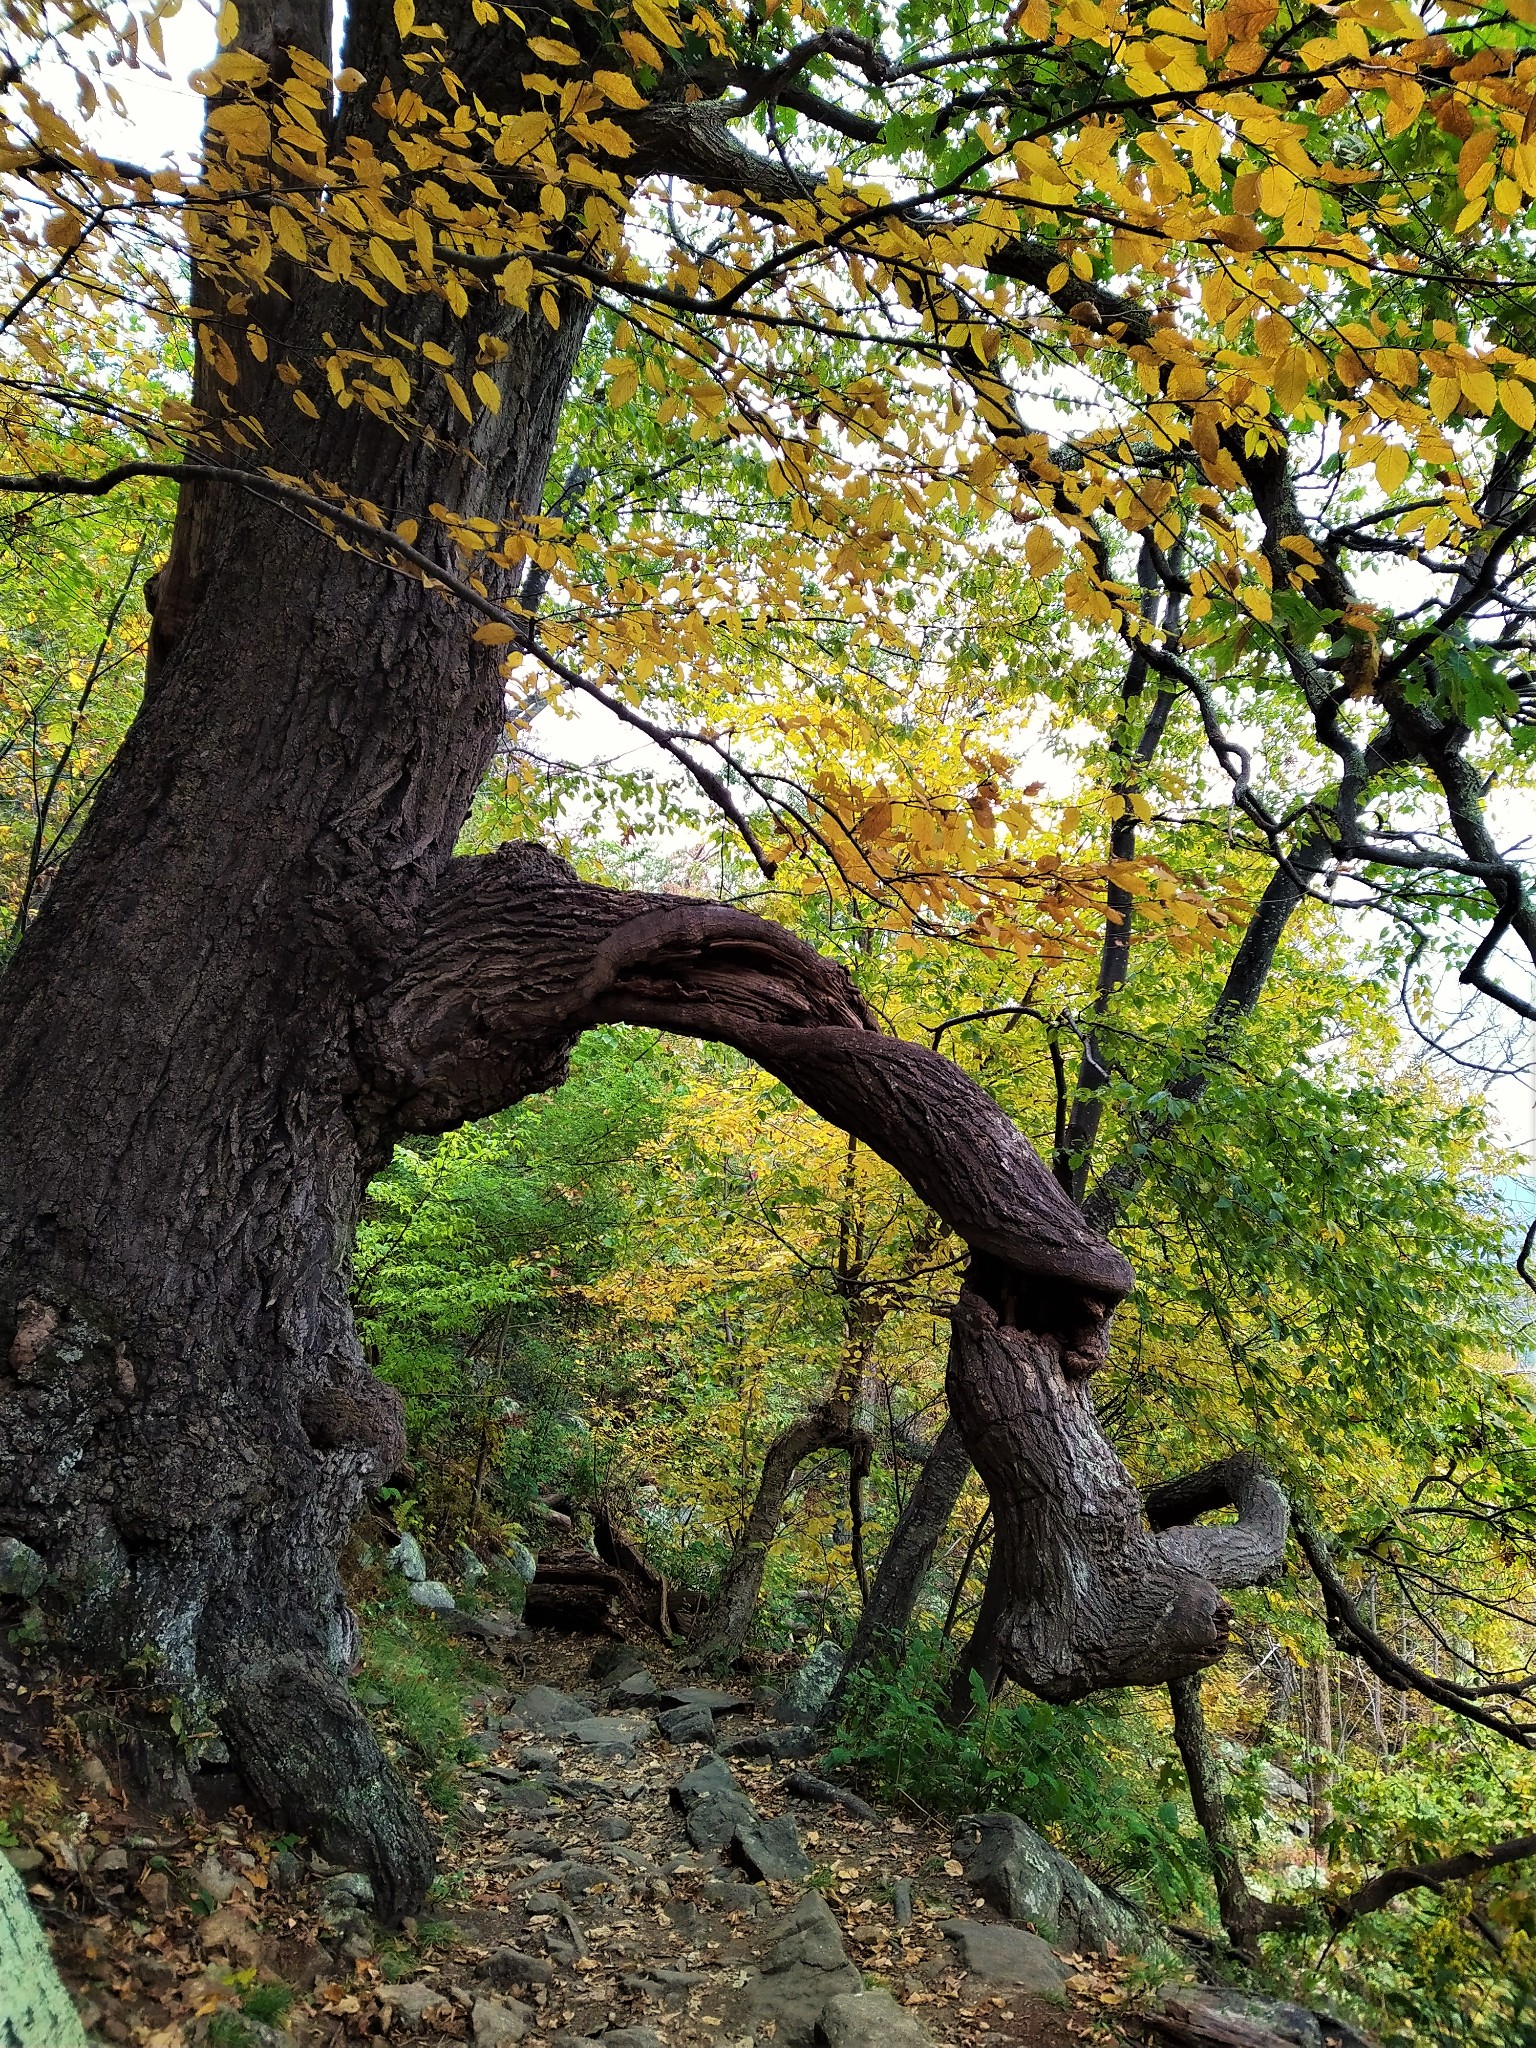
{"type": "Point", "coordinates": [1090, 1777]}
{"type": "Point", "coordinates": [415, 1681]}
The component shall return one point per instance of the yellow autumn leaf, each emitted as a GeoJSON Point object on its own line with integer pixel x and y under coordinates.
{"type": "Point", "coordinates": [288, 234]}
{"type": "Point", "coordinates": [550, 52]}
{"type": "Point", "coordinates": [386, 262]}
{"type": "Point", "coordinates": [244, 129]}
{"type": "Point", "coordinates": [1517, 401]}
{"type": "Point", "coordinates": [659, 23]}
{"type": "Point", "coordinates": [493, 633]}
{"type": "Point", "coordinates": [486, 392]}
{"type": "Point", "coordinates": [1392, 466]}
{"type": "Point", "coordinates": [405, 17]}
{"type": "Point", "coordinates": [618, 89]}
{"type": "Point", "coordinates": [456, 393]}
{"type": "Point", "coordinates": [238, 67]}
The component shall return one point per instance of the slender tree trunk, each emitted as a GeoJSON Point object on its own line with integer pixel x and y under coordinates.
{"type": "Point", "coordinates": [907, 1559]}
{"type": "Point", "coordinates": [1236, 1904]}
{"type": "Point", "coordinates": [721, 1635]}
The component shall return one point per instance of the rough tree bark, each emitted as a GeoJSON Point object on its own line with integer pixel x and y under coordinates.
{"type": "Point", "coordinates": [187, 1426]}
{"type": "Point", "coordinates": [722, 1633]}
{"type": "Point", "coordinates": [503, 976]}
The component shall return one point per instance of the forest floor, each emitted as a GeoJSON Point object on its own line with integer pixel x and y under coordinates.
{"type": "Point", "coordinates": [570, 1905]}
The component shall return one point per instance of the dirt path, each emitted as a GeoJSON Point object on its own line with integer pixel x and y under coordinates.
{"type": "Point", "coordinates": [573, 1904]}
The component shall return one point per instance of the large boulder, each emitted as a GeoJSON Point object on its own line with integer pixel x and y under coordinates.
{"type": "Point", "coordinates": [770, 1850]}
{"type": "Point", "coordinates": [407, 1559]}
{"type": "Point", "coordinates": [22, 1571]}
{"type": "Point", "coordinates": [1008, 1956]}
{"type": "Point", "coordinates": [713, 1805]}
{"type": "Point", "coordinates": [544, 1711]}
{"type": "Point", "coordinates": [871, 2019]}
{"type": "Point", "coordinates": [807, 1970]}
{"type": "Point", "coordinates": [1030, 1883]}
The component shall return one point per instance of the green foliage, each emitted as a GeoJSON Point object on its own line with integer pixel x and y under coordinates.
{"type": "Point", "coordinates": [1090, 1777]}
{"type": "Point", "coordinates": [476, 1263]}
{"type": "Point", "coordinates": [415, 1680]}
{"type": "Point", "coordinates": [267, 2002]}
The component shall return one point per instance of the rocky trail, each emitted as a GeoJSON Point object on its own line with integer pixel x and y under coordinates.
{"type": "Point", "coordinates": [639, 1861]}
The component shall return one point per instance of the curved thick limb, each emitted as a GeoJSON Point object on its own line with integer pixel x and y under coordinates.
{"type": "Point", "coordinates": [519, 957]}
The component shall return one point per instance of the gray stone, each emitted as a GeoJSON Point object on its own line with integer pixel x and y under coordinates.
{"type": "Point", "coordinates": [432, 1594]}
{"type": "Point", "coordinates": [638, 1689]}
{"type": "Point", "coordinates": [870, 2019]}
{"type": "Point", "coordinates": [713, 1803]}
{"type": "Point", "coordinates": [545, 1711]}
{"type": "Point", "coordinates": [615, 1827]}
{"type": "Point", "coordinates": [687, 1724]}
{"type": "Point", "coordinates": [471, 1570]}
{"type": "Point", "coordinates": [727, 1895]}
{"type": "Point", "coordinates": [22, 1571]}
{"type": "Point", "coordinates": [714, 1821]}
{"type": "Point", "coordinates": [1008, 1955]}
{"type": "Point", "coordinates": [498, 2023]}
{"type": "Point", "coordinates": [413, 2002]}
{"type": "Point", "coordinates": [806, 1971]}
{"type": "Point", "coordinates": [770, 1849]}
{"type": "Point", "coordinates": [521, 1562]}
{"type": "Point", "coordinates": [350, 1888]}
{"type": "Point", "coordinates": [708, 1780]}
{"type": "Point", "coordinates": [532, 1800]}
{"type": "Point", "coordinates": [1293, 2024]}
{"type": "Point", "coordinates": [630, 2037]}
{"type": "Point", "coordinates": [615, 1661]}
{"type": "Point", "coordinates": [407, 1559]}
{"type": "Point", "coordinates": [616, 1734]}
{"type": "Point", "coordinates": [1013, 1869]}
{"type": "Point", "coordinates": [507, 1967]}
{"type": "Point", "coordinates": [1280, 1787]}
{"type": "Point", "coordinates": [705, 1696]}
{"type": "Point", "coordinates": [779, 1745]}
{"type": "Point", "coordinates": [901, 1902]}
{"type": "Point", "coordinates": [532, 1759]}
{"type": "Point", "coordinates": [813, 1684]}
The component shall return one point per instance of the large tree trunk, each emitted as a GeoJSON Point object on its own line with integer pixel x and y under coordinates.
{"type": "Point", "coordinates": [187, 1427]}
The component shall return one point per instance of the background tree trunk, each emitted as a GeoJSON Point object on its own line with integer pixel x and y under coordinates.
{"type": "Point", "coordinates": [1236, 1904]}
{"type": "Point", "coordinates": [721, 1636]}
{"type": "Point", "coordinates": [906, 1560]}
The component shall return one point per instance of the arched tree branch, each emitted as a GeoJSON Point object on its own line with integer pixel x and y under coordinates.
{"type": "Point", "coordinates": [517, 956]}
